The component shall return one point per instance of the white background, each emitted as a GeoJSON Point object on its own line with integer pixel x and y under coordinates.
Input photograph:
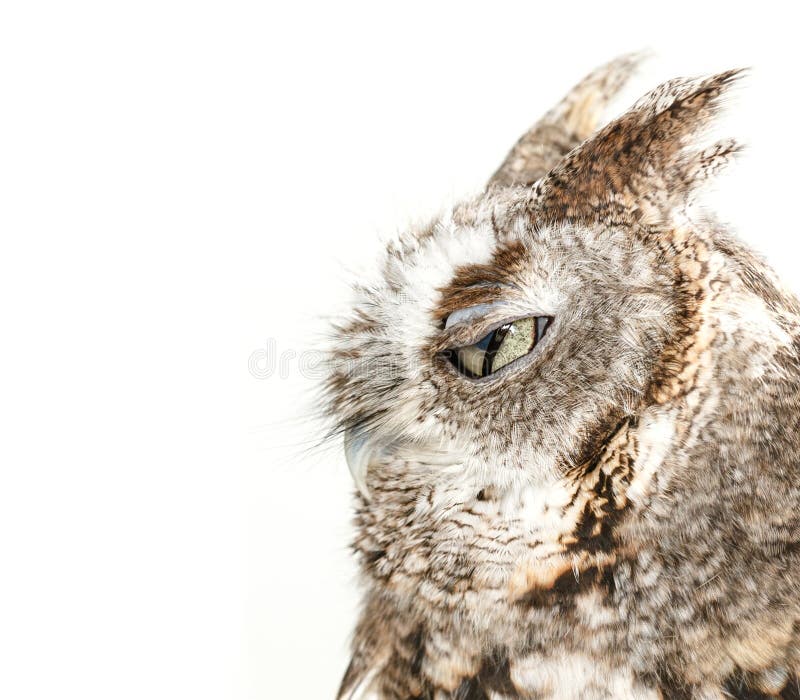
{"type": "Point", "coordinates": [185, 184]}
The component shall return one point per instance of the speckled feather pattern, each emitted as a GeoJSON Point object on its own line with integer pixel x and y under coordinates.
{"type": "Point", "coordinates": [616, 514]}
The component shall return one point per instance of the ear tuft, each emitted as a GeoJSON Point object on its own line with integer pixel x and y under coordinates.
{"type": "Point", "coordinates": [642, 163]}
{"type": "Point", "coordinates": [695, 167]}
{"type": "Point", "coordinates": [567, 124]}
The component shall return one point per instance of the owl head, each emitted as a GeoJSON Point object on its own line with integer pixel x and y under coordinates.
{"type": "Point", "coordinates": [504, 343]}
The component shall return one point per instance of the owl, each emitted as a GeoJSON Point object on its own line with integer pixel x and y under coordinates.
{"type": "Point", "coordinates": [571, 407]}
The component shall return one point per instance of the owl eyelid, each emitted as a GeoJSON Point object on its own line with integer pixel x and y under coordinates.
{"type": "Point", "coordinates": [467, 333]}
{"type": "Point", "coordinates": [465, 316]}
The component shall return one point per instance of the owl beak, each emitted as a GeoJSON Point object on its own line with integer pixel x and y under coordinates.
{"type": "Point", "coordinates": [357, 452]}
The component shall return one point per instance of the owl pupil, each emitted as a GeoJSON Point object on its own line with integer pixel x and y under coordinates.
{"type": "Point", "coordinates": [496, 339]}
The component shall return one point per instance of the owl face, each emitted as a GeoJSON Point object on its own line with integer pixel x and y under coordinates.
{"type": "Point", "coordinates": [501, 347]}
{"type": "Point", "coordinates": [511, 336]}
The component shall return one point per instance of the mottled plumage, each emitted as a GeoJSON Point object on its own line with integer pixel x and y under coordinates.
{"type": "Point", "coordinates": [615, 514]}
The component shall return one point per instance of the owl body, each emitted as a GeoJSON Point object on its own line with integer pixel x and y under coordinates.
{"type": "Point", "coordinates": [603, 504]}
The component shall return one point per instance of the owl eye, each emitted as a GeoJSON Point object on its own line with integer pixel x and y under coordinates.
{"type": "Point", "coordinates": [500, 347]}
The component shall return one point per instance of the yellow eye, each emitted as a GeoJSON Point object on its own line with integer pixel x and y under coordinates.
{"type": "Point", "coordinates": [500, 347]}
